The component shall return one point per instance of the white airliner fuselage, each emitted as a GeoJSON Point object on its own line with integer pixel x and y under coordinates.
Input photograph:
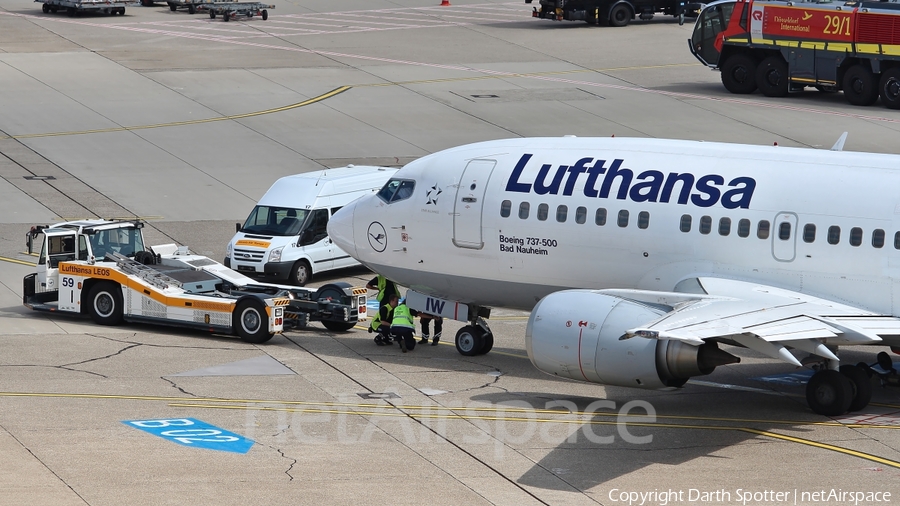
{"type": "Point", "coordinates": [730, 232]}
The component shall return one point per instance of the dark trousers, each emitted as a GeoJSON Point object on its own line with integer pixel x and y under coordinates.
{"type": "Point", "coordinates": [406, 334]}
{"type": "Point", "coordinates": [438, 327]}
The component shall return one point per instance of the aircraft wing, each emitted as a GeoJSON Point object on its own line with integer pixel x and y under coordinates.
{"type": "Point", "coordinates": [763, 318]}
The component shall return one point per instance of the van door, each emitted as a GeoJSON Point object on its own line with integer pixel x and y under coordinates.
{"type": "Point", "coordinates": [470, 203]}
{"type": "Point", "coordinates": [314, 240]}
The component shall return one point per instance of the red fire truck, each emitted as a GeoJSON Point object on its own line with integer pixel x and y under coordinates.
{"type": "Point", "coordinates": [781, 47]}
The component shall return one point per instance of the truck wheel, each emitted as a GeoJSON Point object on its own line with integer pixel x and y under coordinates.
{"type": "Point", "coordinates": [250, 321]}
{"type": "Point", "coordinates": [265, 14]}
{"type": "Point", "coordinates": [859, 86]}
{"type": "Point", "coordinates": [739, 74]}
{"type": "Point", "coordinates": [45, 8]}
{"type": "Point", "coordinates": [191, 9]}
{"type": "Point", "coordinates": [772, 77]}
{"type": "Point", "coordinates": [105, 303]}
{"type": "Point", "coordinates": [620, 15]}
{"type": "Point", "coordinates": [226, 16]}
{"type": "Point", "coordinates": [301, 274]}
{"type": "Point", "coordinates": [212, 14]}
{"type": "Point", "coordinates": [172, 7]}
{"type": "Point", "coordinates": [889, 88]}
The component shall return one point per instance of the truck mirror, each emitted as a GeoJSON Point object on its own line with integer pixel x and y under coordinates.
{"type": "Point", "coordinates": [237, 227]}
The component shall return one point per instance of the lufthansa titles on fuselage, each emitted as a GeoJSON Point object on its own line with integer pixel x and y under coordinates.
{"type": "Point", "coordinates": [649, 186]}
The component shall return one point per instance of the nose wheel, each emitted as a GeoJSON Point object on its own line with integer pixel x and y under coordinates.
{"type": "Point", "coordinates": [474, 339]}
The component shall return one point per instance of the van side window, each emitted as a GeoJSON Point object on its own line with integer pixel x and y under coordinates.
{"type": "Point", "coordinates": [335, 209]}
{"type": "Point", "coordinates": [315, 229]}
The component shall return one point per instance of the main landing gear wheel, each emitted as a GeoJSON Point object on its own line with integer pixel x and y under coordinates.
{"type": "Point", "coordinates": [739, 74]}
{"type": "Point", "coordinates": [488, 343]}
{"type": "Point", "coordinates": [250, 321]}
{"type": "Point", "coordinates": [105, 303]}
{"type": "Point", "coordinates": [470, 341]}
{"type": "Point", "coordinates": [829, 393]}
{"type": "Point", "coordinates": [862, 386]}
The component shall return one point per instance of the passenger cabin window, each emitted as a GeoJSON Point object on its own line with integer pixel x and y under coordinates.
{"type": "Point", "coordinates": [543, 211]}
{"type": "Point", "coordinates": [524, 207]}
{"type": "Point", "coordinates": [600, 217]}
{"type": "Point", "coordinates": [834, 234]}
{"type": "Point", "coordinates": [623, 218]}
{"type": "Point", "coordinates": [744, 228]}
{"type": "Point", "coordinates": [705, 224]}
{"type": "Point", "coordinates": [856, 236]}
{"type": "Point", "coordinates": [685, 225]}
{"type": "Point", "coordinates": [562, 212]}
{"type": "Point", "coordinates": [784, 230]}
{"type": "Point", "coordinates": [580, 215]}
{"type": "Point", "coordinates": [809, 232]}
{"type": "Point", "coordinates": [505, 208]}
{"type": "Point", "coordinates": [762, 230]}
{"type": "Point", "coordinates": [724, 226]}
{"type": "Point", "coordinates": [396, 190]}
{"type": "Point", "coordinates": [643, 219]}
{"type": "Point", "coordinates": [896, 240]}
{"type": "Point", "coordinates": [878, 238]}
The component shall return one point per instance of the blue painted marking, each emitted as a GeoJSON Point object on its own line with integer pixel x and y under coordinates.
{"type": "Point", "coordinates": [192, 432]}
{"type": "Point", "coordinates": [372, 306]}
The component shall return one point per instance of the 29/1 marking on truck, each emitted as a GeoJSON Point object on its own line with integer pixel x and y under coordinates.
{"type": "Point", "coordinates": [194, 433]}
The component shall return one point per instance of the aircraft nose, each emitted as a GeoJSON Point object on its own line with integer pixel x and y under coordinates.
{"type": "Point", "coordinates": [340, 229]}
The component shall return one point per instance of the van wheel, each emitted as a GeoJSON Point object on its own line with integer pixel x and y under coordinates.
{"type": "Point", "coordinates": [301, 274]}
{"type": "Point", "coordinates": [105, 303]}
{"type": "Point", "coordinates": [250, 321]}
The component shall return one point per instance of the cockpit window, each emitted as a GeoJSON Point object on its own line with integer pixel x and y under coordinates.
{"type": "Point", "coordinates": [396, 190]}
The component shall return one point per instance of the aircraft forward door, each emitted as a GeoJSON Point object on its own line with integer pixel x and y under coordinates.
{"type": "Point", "coordinates": [469, 204]}
{"type": "Point", "coordinates": [784, 237]}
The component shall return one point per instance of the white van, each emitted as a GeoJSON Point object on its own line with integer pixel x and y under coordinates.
{"type": "Point", "coordinates": [285, 238]}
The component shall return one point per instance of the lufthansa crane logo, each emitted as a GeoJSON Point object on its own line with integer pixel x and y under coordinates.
{"type": "Point", "coordinates": [377, 236]}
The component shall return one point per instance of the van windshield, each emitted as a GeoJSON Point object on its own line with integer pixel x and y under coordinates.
{"type": "Point", "coordinates": [270, 220]}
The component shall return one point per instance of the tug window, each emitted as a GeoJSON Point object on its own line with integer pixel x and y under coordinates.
{"type": "Point", "coordinates": [505, 207]}
{"type": "Point", "coordinates": [685, 223]}
{"type": "Point", "coordinates": [762, 230]}
{"type": "Point", "coordinates": [623, 218]}
{"type": "Point", "coordinates": [523, 210]}
{"type": "Point", "coordinates": [744, 228]}
{"type": "Point", "coordinates": [878, 238]}
{"type": "Point", "coordinates": [724, 226]}
{"type": "Point", "coordinates": [809, 232]}
{"type": "Point", "coordinates": [834, 234]}
{"type": "Point", "coordinates": [580, 215]}
{"type": "Point", "coordinates": [705, 224]}
{"type": "Point", "coordinates": [856, 236]}
{"type": "Point", "coordinates": [600, 218]}
{"type": "Point", "coordinates": [543, 211]}
{"type": "Point", "coordinates": [562, 212]}
{"type": "Point", "coordinates": [643, 219]}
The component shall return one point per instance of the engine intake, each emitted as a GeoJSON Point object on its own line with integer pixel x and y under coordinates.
{"type": "Point", "coordinates": [576, 334]}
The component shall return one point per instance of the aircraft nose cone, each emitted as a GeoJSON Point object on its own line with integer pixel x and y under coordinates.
{"type": "Point", "coordinates": [340, 229]}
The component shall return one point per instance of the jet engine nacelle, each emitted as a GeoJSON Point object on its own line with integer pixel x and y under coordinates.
{"type": "Point", "coordinates": [575, 334]}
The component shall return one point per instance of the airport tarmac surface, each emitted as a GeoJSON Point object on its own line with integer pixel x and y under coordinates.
{"type": "Point", "coordinates": [186, 121]}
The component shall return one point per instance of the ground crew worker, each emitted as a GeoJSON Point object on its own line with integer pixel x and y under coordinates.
{"type": "Point", "coordinates": [425, 320]}
{"type": "Point", "coordinates": [402, 327]}
{"type": "Point", "coordinates": [385, 288]}
{"type": "Point", "coordinates": [381, 322]}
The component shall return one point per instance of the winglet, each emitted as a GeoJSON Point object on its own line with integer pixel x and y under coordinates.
{"type": "Point", "coordinates": [839, 145]}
